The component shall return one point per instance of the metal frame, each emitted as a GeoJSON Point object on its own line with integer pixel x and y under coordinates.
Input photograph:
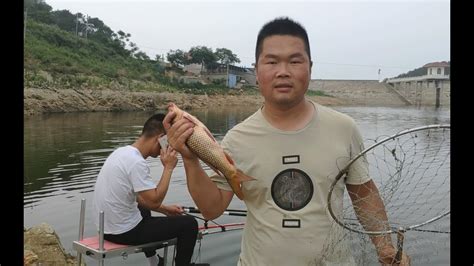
{"type": "Point", "coordinates": [101, 254]}
{"type": "Point", "coordinates": [362, 153]}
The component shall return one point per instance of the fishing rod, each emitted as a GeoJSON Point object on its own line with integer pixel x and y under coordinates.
{"type": "Point", "coordinates": [204, 230]}
{"type": "Point", "coordinates": [220, 226]}
{"type": "Point", "coordinates": [230, 212]}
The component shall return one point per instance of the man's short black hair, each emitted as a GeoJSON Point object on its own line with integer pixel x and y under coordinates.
{"type": "Point", "coordinates": [281, 26]}
{"type": "Point", "coordinates": [153, 126]}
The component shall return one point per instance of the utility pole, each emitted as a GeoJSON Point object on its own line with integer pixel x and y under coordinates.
{"type": "Point", "coordinates": [87, 25]}
{"type": "Point", "coordinates": [228, 82]}
{"type": "Point", "coordinates": [77, 21]}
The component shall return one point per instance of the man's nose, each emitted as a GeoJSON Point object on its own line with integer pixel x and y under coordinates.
{"type": "Point", "coordinates": [283, 70]}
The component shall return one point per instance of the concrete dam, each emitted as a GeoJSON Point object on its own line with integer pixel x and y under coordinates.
{"type": "Point", "coordinates": [375, 93]}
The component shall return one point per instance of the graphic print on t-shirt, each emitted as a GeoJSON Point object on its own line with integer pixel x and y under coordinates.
{"type": "Point", "coordinates": [292, 189]}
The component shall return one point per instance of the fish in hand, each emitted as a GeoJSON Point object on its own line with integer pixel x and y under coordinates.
{"type": "Point", "coordinates": [205, 146]}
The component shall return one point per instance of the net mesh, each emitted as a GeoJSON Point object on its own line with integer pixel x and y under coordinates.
{"type": "Point", "coordinates": [412, 173]}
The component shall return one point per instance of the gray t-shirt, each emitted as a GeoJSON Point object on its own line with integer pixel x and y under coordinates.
{"type": "Point", "coordinates": [287, 220]}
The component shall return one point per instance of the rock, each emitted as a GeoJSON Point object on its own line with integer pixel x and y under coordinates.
{"type": "Point", "coordinates": [29, 257]}
{"type": "Point", "coordinates": [42, 245]}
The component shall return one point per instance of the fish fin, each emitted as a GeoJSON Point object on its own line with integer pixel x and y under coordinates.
{"type": "Point", "coordinates": [209, 134]}
{"type": "Point", "coordinates": [235, 183]}
{"type": "Point", "coordinates": [227, 156]}
{"type": "Point", "coordinates": [196, 122]}
{"type": "Point", "coordinates": [241, 177]}
{"type": "Point", "coordinates": [191, 118]}
{"type": "Point", "coordinates": [215, 169]}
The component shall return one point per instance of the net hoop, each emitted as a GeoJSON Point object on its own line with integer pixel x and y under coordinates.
{"type": "Point", "coordinates": [346, 168]}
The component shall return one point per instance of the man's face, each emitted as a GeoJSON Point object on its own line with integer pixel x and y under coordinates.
{"type": "Point", "coordinates": [283, 70]}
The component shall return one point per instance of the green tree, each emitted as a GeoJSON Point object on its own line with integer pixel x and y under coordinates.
{"type": "Point", "coordinates": [413, 73]}
{"type": "Point", "coordinates": [102, 32]}
{"type": "Point", "coordinates": [142, 56]}
{"type": "Point", "coordinates": [64, 20]}
{"type": "Point", "coordinates": [202, 54]}
{"type": "Point", "coordinates": [225, 56]}
{"type": "Point", "coordinates": [176, 57]}
{"type": "Point", "coordinates": [38, 10]}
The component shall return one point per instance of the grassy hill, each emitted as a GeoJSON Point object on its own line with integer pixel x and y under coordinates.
{"type": "Point", "coordinates": [54, 57]}
{"type": "Point", "coordinates": [59, 59]}
{"type": "Point", "coordinates": [54, 50]}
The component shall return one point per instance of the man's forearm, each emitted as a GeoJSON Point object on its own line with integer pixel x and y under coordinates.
{"type": "Point", "coordinates": [204, 192]}
{"type": "Point", "coordinates": [373, 218]}
{"type": "Point", "coordinates": [162, 186]}
{"type": "Point", "coordinates": [370, 211]}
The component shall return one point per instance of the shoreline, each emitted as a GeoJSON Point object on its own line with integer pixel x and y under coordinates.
{"type": "Point", "coordinates": [47, 100]}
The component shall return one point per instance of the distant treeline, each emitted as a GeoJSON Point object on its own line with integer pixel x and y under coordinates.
{"type": "Point", "coordinates": [421, 71]}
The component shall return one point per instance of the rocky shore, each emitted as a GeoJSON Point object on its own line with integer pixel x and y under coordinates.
{"type": "Point", "coordinates": [41, 246]}
{"type": "Point", "coordinates": [38, 101]}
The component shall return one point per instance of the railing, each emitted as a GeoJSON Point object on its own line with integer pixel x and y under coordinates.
{"type": "Point", "coordinates": [418, 78]}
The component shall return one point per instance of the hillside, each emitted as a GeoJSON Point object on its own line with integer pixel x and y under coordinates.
{"type": "Point", "coordinates": [64, 50]}
{"type": "Point", "coordinates": [57, 58]}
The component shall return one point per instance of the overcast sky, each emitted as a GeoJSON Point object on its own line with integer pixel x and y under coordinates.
{"type": "Point", "coordinates": [348, 39]}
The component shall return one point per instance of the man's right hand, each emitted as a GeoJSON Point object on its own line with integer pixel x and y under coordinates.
{"type": "Point", "coordinates": [387, 257]}
{"type": "Point", "coordinates": [178, 133]}
{"type": "Point", "coordinates": [168, 158]}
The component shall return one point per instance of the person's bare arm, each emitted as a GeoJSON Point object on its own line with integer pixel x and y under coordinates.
{"type": "Point", "coordinates": [211, 200]}
{"type": "Point", "coordinates": [370, 211]}
{"type": "Point", "coordinates": [153, 198]}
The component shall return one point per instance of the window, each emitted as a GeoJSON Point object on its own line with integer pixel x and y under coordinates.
{"type": "Point", "coordinates": [439, 71]}
{"type": "Point", "coordinates": [431, 71]}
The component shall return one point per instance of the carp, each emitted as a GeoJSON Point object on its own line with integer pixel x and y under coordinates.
{"type": "Point", "coordinates": [205, 146]}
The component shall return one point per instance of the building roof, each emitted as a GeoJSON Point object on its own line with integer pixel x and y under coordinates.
{"type": "Point", "coordinates": [437, 64]}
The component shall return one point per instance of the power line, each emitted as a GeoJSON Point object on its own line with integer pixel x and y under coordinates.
{"type": "Point", "coordinates": [346, 64]}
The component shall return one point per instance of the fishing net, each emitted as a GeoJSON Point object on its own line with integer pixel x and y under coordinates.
{"type": "Point", "coordinates": [411, 170]}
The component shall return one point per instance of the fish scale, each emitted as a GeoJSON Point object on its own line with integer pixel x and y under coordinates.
{"type": "Point", "coordinates": [207, 153]}
{"type": "Point", "coordinates": [202, 143]}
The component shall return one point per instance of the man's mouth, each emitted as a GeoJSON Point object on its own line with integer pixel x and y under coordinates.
{"type": "Point", "coordinates": [283, 86]}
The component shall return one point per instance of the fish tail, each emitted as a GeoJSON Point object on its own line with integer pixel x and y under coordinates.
{"type": "Point", "coordinates": [236, 181]}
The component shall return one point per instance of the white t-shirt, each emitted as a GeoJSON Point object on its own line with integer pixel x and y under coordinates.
{"type": "Point", "coordinates": [288, 222]}
{"type": "Point", "coordinates": [124, 173]}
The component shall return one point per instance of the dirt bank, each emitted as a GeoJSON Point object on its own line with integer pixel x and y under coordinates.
{"type": "Point", "coordinates": [37, 101]}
